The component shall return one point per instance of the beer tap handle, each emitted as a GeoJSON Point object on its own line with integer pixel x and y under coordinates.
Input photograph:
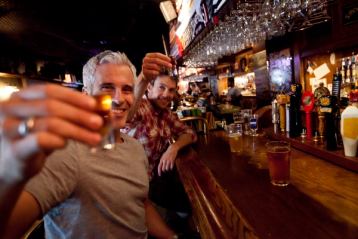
{"type": "Point", "coordinates": [321, 127]}
{"type": "Point", "coordinates": [327, 108]}
{"type": "Point", "coordinates": [308, 105]}
{"type": "Point", "coordinates": [282, 100]}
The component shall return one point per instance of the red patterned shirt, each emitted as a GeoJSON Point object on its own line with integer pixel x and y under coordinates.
{"type": "Point", "coordinates": [153, 128]}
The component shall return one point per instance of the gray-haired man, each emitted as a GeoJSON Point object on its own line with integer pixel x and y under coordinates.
{"type": "Point", "coordinates": [80, 195]}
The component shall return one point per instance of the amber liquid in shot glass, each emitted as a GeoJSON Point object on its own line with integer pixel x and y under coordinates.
{"type": "Point", "coordinates": [103, 108]}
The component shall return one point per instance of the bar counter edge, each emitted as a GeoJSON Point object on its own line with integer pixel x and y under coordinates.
{"type": "Point", "coordinates": [232, 197]}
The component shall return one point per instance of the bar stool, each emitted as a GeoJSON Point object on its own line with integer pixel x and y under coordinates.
{"type": "Point", "coordinates": [198, 123]}
{"type": "Point", "coordinates": [210, 119]}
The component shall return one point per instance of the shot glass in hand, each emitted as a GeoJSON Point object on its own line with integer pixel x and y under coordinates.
{"type": "Point", "coordinates": [103, 108]}
{"type": "Point", "coordinates": [278, 157]}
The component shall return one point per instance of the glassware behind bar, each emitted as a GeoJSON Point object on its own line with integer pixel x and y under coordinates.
{"type": "Point", "coordinates": [247, 116]}
{"type": "Point", "coordinates": [252, 22]}
{"type": "Point", "coordinates": [103, 108]}
{"type": "Point", "coordinates": [234, 133]}
{"type": "Point", "coordinates": [238, 117]}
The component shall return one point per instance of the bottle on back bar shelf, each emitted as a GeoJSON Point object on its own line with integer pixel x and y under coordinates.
{"type": "Point", "coordinates": [348, 70]}
{"type": "Point", "coordinates": [353, 68]}
{"type": "Point", "coordinates": [343, 70]}
{"type": "Point", "coordinates": [346, 85]}
{"type": "Point", "coordinates": [356, 72]}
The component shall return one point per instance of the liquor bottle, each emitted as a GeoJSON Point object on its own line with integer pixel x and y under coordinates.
{"type": "Point", "coordinates": [356, 72]}
{"type": "Point", "coordinates": [349, 126]}
{"type": "Point", "coordinates": [343, 70]}
{"type": "Point", "coordinates": [295, 113]}
{"type": "Point", "coordinates": [327, 107]}
{"type": "Point", "coordinates": [346, 85]}
{"type": "Point", "coordinates": [349, 68]}
{"type": "Point", "coordinates": [353, 68]}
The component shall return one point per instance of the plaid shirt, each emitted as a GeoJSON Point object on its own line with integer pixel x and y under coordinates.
{"type": "Point", "coordinates": [153, 128]}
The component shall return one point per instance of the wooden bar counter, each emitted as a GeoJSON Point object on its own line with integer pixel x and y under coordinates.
{"type": "Point", "coordinates": [232, 196]}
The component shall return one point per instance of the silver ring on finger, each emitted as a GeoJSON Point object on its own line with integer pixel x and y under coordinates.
{"type": "Point", "coordinates": [26, 126]}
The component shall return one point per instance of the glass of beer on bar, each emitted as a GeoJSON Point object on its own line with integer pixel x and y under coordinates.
{"type": "Point", "coordinates": [278, 157]}
{"type": "Point", "coordinates": [234, 133]}
{"type": "Point", "coordinates": [103, 108]}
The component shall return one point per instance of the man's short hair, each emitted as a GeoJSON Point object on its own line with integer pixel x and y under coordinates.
{"type": "Point", "coordinates": [173, 78]}
{"type": "Point", "coordinates": [104, 57]}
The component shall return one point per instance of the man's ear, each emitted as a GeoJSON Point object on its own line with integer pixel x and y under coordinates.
{"type": "Point", "coordinates": [149, 87]}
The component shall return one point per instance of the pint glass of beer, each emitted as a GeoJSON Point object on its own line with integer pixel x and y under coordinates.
{"type": "Point", "coordinates": [278, 156]}
{"type": "Point", "coordinates": [234, 133]}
